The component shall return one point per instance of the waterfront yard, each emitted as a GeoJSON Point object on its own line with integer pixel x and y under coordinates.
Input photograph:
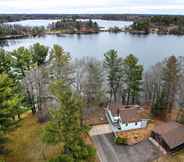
{"type": "Point", "coordinates": [25, 143]}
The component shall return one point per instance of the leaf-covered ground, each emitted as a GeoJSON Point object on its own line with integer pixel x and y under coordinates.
{"type": "Point", "coordinates": [26, 145]}
{"type": "Point", "coordinates": [178, 157]}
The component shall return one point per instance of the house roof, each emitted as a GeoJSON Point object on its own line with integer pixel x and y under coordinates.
{"type": "Point", "coordinates": [130, 115]}
{"type": "Point", "coordinates": [172, 133]}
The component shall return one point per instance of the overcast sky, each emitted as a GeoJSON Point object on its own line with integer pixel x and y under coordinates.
{"type": "Point", "coordinates": [93, 6]}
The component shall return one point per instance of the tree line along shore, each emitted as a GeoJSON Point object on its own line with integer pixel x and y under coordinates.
{"type": "Point", "coordinates": [142, 25]}
{"type": "Point", "coordinates": [61, 92]}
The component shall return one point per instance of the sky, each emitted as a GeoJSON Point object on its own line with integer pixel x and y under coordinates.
{"type": "Point", "coordinates": [93, 6]}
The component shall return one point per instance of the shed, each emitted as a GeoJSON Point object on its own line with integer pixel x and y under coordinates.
{"type": "Point", "coordinates": [169, 135]}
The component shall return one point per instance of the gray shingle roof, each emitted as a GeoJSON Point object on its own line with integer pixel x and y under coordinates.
{"type": "Point", "coordinates": [172, 133]}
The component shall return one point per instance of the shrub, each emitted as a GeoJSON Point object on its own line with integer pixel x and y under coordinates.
{"type": "Point", "coordinates": [63, 158]}
{"type": "Point", "coordinates": [120, 140]}
{"type": "Point", "coordinates": [81, 151]}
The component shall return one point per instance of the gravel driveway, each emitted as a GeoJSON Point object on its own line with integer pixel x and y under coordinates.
{"type": "Point", "coordinates": [108, 151]}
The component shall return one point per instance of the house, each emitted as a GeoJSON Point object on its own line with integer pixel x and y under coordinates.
{"type": "Point", "coordinates": [169, 135]}
{"type": "Point", "coordinates": [126, 117]}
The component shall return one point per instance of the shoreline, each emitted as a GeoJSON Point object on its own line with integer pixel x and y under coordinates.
{"type": "Point", "coordinates": [60, 34]}
{"type": "Point", "coordinates": [13, 37]}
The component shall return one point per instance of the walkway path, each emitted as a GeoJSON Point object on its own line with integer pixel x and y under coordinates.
{"type": "Point", "coordinates": [100, 129]}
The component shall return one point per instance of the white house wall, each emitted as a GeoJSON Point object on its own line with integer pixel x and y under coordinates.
{"type": "Point", "coordinates": [144, 123]}
{"type": "Point", "coordinates": [113, 118]}
{"type": "Point", "coordinates": [130, 126]}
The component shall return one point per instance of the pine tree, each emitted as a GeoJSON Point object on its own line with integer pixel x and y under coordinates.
{"type": "Point", "coordinates": [132, 78]}
{"type": "Point", "coordinates": [113, 66]}
{"type": "Point", "coordinates": [158, 107]}
{"type": "Point", "coordinates": [65, 127]}
{"type": "Point", "coordinates": [10, 103]}
{"type": "Point", "coordinates": [169, 83]}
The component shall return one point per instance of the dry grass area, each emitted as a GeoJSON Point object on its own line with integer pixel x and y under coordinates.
{"type": "Point", "coordinates": [26, 145]}
{"type": "Point", "coordinates": [178, 157]}
{"type": "Point", "coordinates": [96, 117]}
{"type": "Point", "coordinates": [136, 136]}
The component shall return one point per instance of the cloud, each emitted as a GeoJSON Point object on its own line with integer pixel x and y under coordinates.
{"type": "Point", "coordinates": [93, 6]}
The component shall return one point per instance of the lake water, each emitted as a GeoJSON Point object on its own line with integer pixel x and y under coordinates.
{"type": "Point", "coordinates": [32, 22]}
{"type": "Point", "coordinates": [150, 49]}
{"type": "Point", "coordinates": [102, 23]}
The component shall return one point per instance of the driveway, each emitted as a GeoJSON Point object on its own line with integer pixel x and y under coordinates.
{"type": "Point", "coordinates": [108, 151]}
{"type": "Point", "coordinates": [100, 129]}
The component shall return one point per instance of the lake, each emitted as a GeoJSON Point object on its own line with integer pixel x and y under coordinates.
{"type": "Point", "coordinates": [102, 23]}
{"type": "Point", "coordinates": [150, 49]}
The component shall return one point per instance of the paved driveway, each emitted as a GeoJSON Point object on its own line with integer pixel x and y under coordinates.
{"type": "Point", "coordinates": [100, 129]}
{"type": "Point", "coordinates": [108, 151]}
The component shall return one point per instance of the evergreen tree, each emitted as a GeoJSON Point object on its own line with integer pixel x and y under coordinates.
{"type": "Point", "coordinates": [158, 107]}
{"type": "Point", "coordinates": [21, 62]}
{"type": "Point", "coordinates": [39, 53]}
{"type": "Point", "coordinates": [10, 103]}
{"type": "Point", "coordinates": [132, 78]}
{"type": "Point", "coordinates": [64, 126]}
{"type": "Point", "coordinates": [169, 83]}
{"type": "Point", "coordinates": [5, 62]}
{"type": "Point", "coordinates": [60, 60]}
{"type": "Point", "coordinates": [113, 66]}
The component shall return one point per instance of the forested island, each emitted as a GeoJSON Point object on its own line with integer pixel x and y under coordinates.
{"type": "Point", "coordinates": [18, 31]}
{"type": "Point", "coordinates": [159, 25]}
{"type": "Point", "coordinates": [73, 26]}
{"type": "Point", "coordinates": [62, 26]}
{"type": "Point", "coordinates": [84, 24]}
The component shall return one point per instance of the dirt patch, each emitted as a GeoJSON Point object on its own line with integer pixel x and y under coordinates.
{"type": "Point", "coordinates": [95, 117]}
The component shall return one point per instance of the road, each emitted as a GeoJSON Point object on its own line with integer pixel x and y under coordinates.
{"type": "Point", "coordinates": [108, 151]}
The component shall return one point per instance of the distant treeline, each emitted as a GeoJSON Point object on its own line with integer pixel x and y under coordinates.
{"type": "Point", "coordinates": [7, 30]}
{"type": "Point", "coordinates": [159, 24]}
{"type": "Point", "coordinates": [125, 17]}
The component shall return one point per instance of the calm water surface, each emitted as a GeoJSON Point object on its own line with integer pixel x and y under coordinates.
{"type": "Point", "coordinates": [102, 23]}
{"type": "Point", "coordinates": [148, 48]}
{"type": "Point", "coordinates": [33, 22]}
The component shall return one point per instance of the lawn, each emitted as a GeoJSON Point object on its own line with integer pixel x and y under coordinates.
{"type": "Point", "coordinates": [26, 145]}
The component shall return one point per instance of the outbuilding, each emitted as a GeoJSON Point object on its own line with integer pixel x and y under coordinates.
{"type": "Point", "coordinates": [169, 135]}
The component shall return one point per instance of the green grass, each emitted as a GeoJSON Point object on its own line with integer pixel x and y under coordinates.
{"type": "Point", "coordinates": [26, 144]}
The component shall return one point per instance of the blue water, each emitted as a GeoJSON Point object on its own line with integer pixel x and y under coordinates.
{"type": "Point", "coordinates": [150, 49]}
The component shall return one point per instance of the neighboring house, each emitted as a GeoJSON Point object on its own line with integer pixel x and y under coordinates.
{"type": "Point", "coordinates": [126, 117]}
{"type": "Point", "coordinates": [169, 135]}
